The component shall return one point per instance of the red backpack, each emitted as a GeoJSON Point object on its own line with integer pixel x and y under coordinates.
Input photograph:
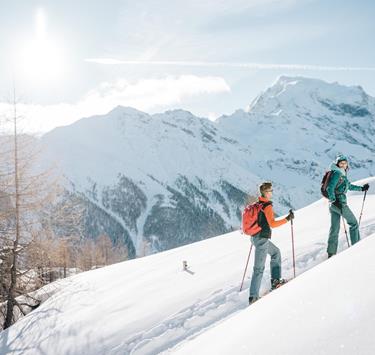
{"type": "Point", "coordinates": [250, 217]}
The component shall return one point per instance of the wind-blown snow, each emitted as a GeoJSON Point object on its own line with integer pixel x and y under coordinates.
{"type": "Point", "coordinates": [149, 305]}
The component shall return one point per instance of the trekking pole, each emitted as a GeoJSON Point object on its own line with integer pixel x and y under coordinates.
{"type": "Point", "coordinates": [363, 203]}
{"type": "Point", "coordinates": [294, 258]}
{"type": "Point", "coordinates": [247, 262]}
{"type": "Point", "coordinates": [346, 232]}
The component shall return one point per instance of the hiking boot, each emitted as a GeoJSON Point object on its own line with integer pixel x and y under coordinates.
{"type": "Point", "coordinates": [276, 283]}
{"type": "Point", "coordinates": [253, 299]}
{"type": "Point", "coordinates": [329, 255]}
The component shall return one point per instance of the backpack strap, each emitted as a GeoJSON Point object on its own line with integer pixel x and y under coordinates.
{"type": "Point", "coordinates": [265, 204]}
{"type": "Point", "coordinates": [339, 182]}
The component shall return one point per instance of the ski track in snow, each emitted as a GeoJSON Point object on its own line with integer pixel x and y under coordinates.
{"type": "Point", "coordinates": [221, 304]}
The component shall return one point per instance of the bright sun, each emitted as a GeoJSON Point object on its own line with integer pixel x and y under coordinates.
{"type": "Point", "coordinates": [41, 58]}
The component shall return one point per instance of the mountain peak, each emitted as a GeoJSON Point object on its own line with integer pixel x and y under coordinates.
{"type": "Point", "coordinates": [126, 110]}
{"type": "Point", "coordinates": [299, 91]}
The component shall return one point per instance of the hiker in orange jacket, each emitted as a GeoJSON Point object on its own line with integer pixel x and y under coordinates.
{"type": "Point", "coordinates": [263, 245]}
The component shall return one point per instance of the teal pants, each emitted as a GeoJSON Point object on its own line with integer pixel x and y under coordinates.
{"type": "Point", "coordinates": [336, 214]}
{"type": "Point", "coordinates": [264, 246]}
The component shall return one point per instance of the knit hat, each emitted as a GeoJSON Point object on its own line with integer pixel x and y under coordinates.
{"type": "Point", "coordinates": [341, 157]}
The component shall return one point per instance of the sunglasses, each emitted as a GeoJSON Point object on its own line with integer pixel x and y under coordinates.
{"type": "Point", "coordinates": [268, 191]}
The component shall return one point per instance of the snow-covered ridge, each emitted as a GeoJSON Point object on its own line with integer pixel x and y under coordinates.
{"type": "Point", "coordinates": [148, 169]}
{"type": "Point", "coordinates": [149, 305]}
{"type": "Point", "coordinates": [290, 92]}
{"type": "Point", "coordinates": [147, 177]}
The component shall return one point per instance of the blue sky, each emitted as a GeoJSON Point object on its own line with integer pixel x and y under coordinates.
{"type": "Point", "coordinates": [167, 53]}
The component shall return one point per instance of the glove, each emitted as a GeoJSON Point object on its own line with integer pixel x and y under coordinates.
{"type": "Point", "coordinates": [365, 187]}
{"type": "Point", "coordinates": [290, 216]}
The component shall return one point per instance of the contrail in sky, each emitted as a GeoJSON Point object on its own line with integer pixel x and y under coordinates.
{"type": "Point", "coordinates": [111, 61]}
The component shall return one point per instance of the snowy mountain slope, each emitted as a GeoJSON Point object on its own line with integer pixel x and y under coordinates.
{"type": "Point", "coordinates": [164, 180]}
{"type": "Point", "coordinates": [327, 310]}
{"type": "Point", "coordinates": [153, 173]}
{"type": "Point", "coordinates": [148, 305]}
{"type": "Point", "coordinates": [298, 125]}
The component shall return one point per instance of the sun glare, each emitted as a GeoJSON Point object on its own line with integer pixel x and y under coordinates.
{"type": "Point", "coordinates": [41, 57]}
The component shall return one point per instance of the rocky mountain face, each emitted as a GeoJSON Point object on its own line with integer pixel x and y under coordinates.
{"type": "Point", "coordinates": [153, 181]}
{"type": "Point", "coordinates": [159, 181]}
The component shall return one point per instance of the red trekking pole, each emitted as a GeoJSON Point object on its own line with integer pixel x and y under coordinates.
{"type": "Point", "coordinates": [247, 262]}
{"type": "Point", "coordinates": [294, 257]}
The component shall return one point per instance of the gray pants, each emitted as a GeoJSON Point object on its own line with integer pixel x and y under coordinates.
{"type": "Point", "coordinates": [336, 214]}
{"type": "Point", "coordinates": [264, 246]}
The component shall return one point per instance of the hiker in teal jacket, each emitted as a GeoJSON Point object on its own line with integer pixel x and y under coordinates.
{"type": "Point", "coordinates": [337, 188]}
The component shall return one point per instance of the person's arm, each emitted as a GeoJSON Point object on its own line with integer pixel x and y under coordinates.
{"type": "Point", "coordinates": [354, 187]}
{"type": "Point", "coordinates": [335, 176]}
{"type": "Point", "coordinates": [268, 211]}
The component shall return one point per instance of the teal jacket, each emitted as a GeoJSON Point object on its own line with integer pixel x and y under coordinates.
{"type": "Point", "coordinates": [339, 185]}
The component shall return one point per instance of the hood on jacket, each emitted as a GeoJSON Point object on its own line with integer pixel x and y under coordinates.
{"type": "Point", "coordinates": [334, 167]}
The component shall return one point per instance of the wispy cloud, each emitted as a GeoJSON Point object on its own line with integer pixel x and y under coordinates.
{"type": "Point", "coordinates": [112, 61]}
{"type": "Point", "coordinates": [145, 94]}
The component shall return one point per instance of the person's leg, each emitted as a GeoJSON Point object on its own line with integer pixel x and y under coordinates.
{"type": "Point", "coordinates": [261, 249]}
{"type": "Point", "coordinates": [334, 230]}
{"type": "Point", "coordinates": [275, 263]}
{"type": "Point", "coordinates": [353, 224]}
